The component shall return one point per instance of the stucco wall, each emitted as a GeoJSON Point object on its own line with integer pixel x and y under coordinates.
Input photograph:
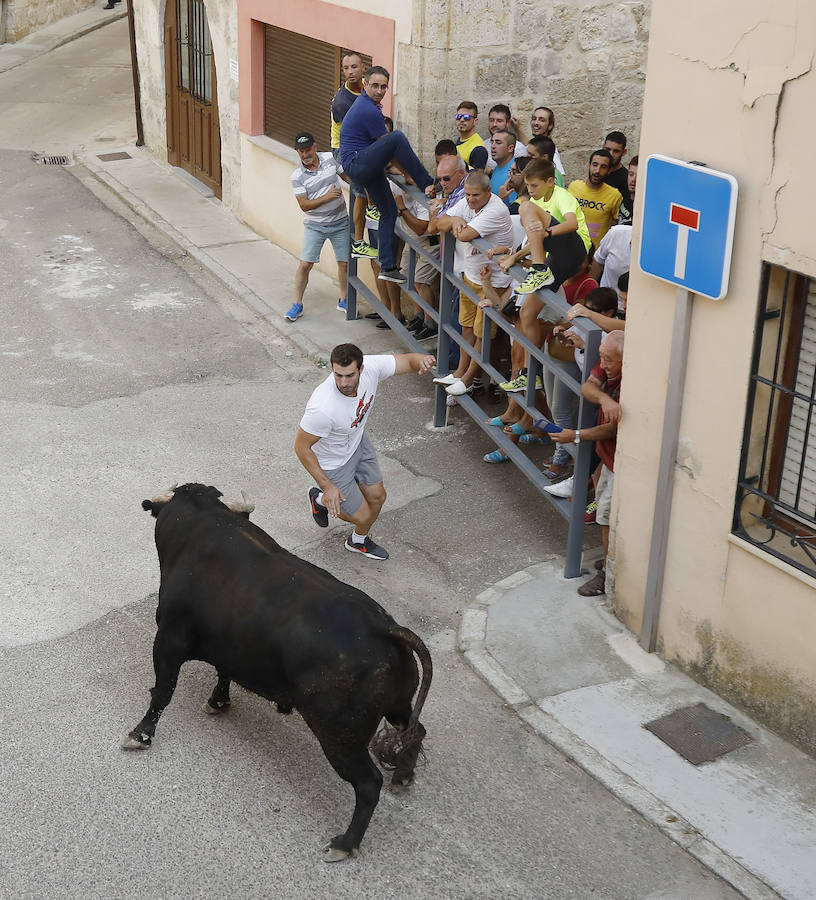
{"type": "Point", "coordinates": [584, 59]}
{"type": "Point", "coordinates": [23, 17]}
{"type": "Point", "coordinates": [737, 619]}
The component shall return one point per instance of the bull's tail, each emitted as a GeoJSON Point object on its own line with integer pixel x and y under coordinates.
{"type": "Point", "coordinates": [415, 643]}
{"type": "Point", "coordinates": [399, 749]}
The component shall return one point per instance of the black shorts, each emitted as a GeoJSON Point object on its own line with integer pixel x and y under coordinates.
{"type": "Point", "coordinates": [565, 255]}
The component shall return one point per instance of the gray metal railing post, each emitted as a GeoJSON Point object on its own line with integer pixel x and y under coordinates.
{"type": "Point", "coordinates": [351, 290]}
{"type": "Point", "coordinates": [446, 315]}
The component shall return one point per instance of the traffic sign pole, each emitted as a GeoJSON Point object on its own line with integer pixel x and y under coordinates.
{"type": "Point", "coordinates": [665, 475]}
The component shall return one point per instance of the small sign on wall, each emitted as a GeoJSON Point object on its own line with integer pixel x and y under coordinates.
{"type": "Point", "coordinates": [234, 70]}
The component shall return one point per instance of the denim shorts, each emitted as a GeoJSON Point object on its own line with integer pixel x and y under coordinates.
{"type": "Point", "coordinates": [314, 236]}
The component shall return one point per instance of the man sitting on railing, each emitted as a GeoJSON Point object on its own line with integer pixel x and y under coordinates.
{"type": "Point", "coordinates": [366, 148]}
{"type": "Point", "coordinates": [602, 387]}
{"type": "Point", "coordinates": [481, 214]}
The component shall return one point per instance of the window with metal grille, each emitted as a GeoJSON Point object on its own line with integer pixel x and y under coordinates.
{"type": "Point", "coordinates": [776, 494]}
{"type": "Point", "coordinates": [195, 50]}
{"type": "Point", "coordinates": [301, 76]}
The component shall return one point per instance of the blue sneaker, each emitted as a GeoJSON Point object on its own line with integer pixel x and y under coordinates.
{"type": "Point", "coordinates": [295, 311]}
{"type": "Point", "coordinates": [342, 304]}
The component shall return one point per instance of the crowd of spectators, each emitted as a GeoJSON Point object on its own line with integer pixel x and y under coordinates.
{"type": "Point", "coordinates": [572, 233]}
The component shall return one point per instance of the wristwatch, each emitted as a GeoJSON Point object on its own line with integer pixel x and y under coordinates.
{"type": "Point", "coordinates": [577, 438]}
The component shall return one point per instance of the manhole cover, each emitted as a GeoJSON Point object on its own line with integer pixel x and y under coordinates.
{"type": "Point", "coordinates": [698, 733]}
{"type": "Point", "coordinates": [110, 157]}
{"type": "Point", "coordinates": [45, 160]}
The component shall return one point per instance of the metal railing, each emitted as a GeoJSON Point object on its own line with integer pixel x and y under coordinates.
{"type": "Point", "coordinates": [446, 317]}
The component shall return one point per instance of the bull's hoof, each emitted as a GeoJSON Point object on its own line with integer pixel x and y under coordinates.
{"type": "Point", "coordinates": [136, 741]}
{"type": "Point", "coordinates": [401, 781]}
{"type": "Point", "coordinates": [220, 706]}
{"type": "Point", "coordinates": [335, 854]}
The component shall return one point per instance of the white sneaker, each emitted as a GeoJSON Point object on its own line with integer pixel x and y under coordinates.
{"type": "Point", "coordinates": [562, 489]}
{"type": "Point", "coordinates": [446, 379]}
{"type": "Point", "coordinates": [458, 388]}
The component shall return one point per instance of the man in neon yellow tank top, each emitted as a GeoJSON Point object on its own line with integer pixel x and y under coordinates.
{"type": "Point", "coordinates": [470, 145]}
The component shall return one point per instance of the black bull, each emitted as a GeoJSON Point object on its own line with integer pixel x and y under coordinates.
{"type": "Point", "coordinates": [289, 631]}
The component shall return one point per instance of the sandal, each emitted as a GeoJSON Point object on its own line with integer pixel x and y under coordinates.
{"type": "Point", "coordinates": [554, 476]}
{"type": "Point", "coordinates": [533, 439]}
{"type": "Point", "coordinates": [515, 428]}
{"type": "Point", "coordinates": [497, 422]}
{"type": "Point", "coordinates": [496, 456]}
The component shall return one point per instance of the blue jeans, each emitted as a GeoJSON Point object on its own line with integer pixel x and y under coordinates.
{"type": "Point", "coordinates": [367, 169]}
{"type": "Point", "coordinates": [563, 406]}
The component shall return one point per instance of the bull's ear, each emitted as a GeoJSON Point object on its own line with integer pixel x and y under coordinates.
{"type": "Point", "coordinates": [153, 507]}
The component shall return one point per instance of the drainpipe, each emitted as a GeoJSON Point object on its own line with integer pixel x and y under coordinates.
{"type": "Point", "coordinates": [134, 60]}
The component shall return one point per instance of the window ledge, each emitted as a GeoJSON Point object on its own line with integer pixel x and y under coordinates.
{"type": "Point", "coordinates": [275, 147]}
{"type": "Point", "coordinates": [772, 560]}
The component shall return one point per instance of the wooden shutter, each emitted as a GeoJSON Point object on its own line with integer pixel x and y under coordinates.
{"type": "Point", "coordinates": [301, 76]}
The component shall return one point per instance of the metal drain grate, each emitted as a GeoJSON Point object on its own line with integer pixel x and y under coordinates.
{"type": "Point", "coordinates": [45, 160]}
{"type": "Point", "coordinates": [698, 733]}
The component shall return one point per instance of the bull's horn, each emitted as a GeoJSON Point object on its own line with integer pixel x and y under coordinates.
{"type": "Point", "coordinates": [165, 497]}
{"type": "Point", "coordinates": [244, 505]}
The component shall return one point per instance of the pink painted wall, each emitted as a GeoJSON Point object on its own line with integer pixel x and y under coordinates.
{"type": "Point", "coordinates": [320, 20]}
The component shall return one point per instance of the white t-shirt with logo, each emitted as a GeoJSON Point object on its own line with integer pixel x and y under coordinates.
{"type": "Point", "coordinates": [494, 224]}
{"type": "Point", "coordinates": [339, 420]}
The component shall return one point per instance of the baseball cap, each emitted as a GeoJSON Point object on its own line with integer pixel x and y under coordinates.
{"type": "Point", "coordinates": [303, 140]}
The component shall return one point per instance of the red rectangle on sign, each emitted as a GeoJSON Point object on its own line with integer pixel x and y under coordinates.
{"type": "Point", "coordinates": [682, 215]}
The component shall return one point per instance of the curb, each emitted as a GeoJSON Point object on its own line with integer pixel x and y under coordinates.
{"type": "Point", "coordinates": [59, 41]}
{"type": "Point", "coordinates": [472, 643]}
{"type": "Point", "coordinates": [234, 285]}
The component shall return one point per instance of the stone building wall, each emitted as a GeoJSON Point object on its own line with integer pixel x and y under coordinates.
{"type": "Point", "coordinates": [586, 60]}
{"type": "Point", "coordinates": [22, 17]}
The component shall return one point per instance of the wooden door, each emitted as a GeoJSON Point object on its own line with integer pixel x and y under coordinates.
{"type": "Point", "coordinates": [193, 133]}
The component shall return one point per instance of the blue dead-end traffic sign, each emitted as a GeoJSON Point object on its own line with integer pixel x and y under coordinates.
{"type": "Point", "coordinates": [688, 225]}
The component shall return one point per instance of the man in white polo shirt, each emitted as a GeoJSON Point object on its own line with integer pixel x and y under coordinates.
{"type": "Point", "coordinates": [334, 449]}
{"type": "Point", "coordinates": [479, 214]}
{"type": "Point", "coordinates": [316, 183]}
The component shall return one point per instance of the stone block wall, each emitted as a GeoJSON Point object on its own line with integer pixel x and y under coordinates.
{"type": "Point", "coordinates": [22, 17]}
{"type": "Point", "coordinates": [586, 60]}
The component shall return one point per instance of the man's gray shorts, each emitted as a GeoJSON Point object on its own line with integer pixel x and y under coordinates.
{"type": "Point", "coordinates": [362, 468]}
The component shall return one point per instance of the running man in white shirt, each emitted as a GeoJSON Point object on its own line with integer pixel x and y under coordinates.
{"type": "Point", "coordinates": [334, 449]}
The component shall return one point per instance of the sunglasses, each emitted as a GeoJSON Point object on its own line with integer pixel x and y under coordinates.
{"type": "Point", "coordinates": [446, 177]}
{"type": "Point", "coordinates": [463, 117]}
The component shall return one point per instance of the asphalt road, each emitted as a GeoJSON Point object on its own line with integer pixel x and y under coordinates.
{"type": "Point", "coordinates": [123, 368]}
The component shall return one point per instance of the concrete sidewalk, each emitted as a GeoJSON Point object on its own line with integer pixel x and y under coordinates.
{"type": "Point", "coordinates": [563, 663]}
{"type": "Point", "coordinates": [255, 270]}
{"type": "Point", "coordinates": [576, 676]}
{"type": "Point", "coordinates": [46, 39]}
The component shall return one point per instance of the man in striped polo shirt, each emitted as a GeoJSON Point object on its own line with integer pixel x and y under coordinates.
{"type": "Point", "coordinates": [316, 183]}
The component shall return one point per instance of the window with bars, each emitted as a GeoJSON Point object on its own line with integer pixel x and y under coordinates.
{"type": "Point", "coordinates": [776, 494]}
{"type": "Point", "coordinates": [301, 76]}
{"type": "Point", "coordinates": [195, 50]}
